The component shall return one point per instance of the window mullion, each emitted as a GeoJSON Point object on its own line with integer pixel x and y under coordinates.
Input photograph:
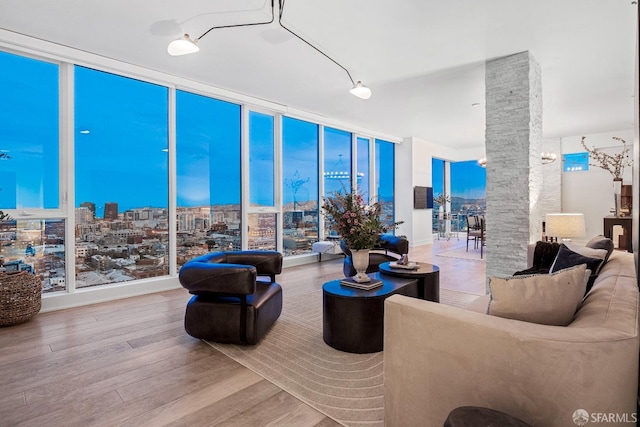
{"type": "Point", "coordinates": [67, 172]}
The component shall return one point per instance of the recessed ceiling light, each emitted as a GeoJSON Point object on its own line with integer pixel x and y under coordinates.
{"type": "Point", "coordinates": [85, 131]}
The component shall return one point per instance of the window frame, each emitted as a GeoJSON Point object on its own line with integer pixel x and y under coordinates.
{"type": "Point", "coordinates": [65, 101]}
{"type": "Point", "coordinates": [66, 59]}
{"type": "Point", "coordinates": [246, 208]}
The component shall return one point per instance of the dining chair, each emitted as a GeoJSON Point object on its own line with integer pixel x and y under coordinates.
{"type": "Point", "coordinates": [473, 230]}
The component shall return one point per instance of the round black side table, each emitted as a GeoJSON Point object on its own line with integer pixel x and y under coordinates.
{"type": "Point", "coordinates": [474, 416]}
{"type": "Point", "coordinates": [427, 275]}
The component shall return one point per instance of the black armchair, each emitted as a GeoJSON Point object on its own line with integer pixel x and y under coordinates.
{"type": "Point", "coordinates": [230, 304]}
{"type": "Point", "coordinates": [390, 248]}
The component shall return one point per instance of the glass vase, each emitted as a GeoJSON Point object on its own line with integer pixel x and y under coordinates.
{"type": "Point", "coordinates": [617, 193]}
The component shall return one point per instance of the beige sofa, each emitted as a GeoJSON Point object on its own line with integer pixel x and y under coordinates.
{"type": "Point", "coordinates": [439, 357]}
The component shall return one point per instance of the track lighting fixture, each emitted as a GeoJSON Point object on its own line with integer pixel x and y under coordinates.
{"type": "Point", "coordinates": [185, 45]}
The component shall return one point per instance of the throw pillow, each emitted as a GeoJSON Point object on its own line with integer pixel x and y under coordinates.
{"type": "Point", "coordinates": [571, 254]}
{"type": "Point", "coordinates": [548, 299]}
{"type": "Point", "coordinates": [601, 242]}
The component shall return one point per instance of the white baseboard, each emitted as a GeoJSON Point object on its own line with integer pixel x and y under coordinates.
{"type": "Point", "coordinates": [421, 242]}
{"type": "Point", "coordinates": [97, 294]}
{"type": "Point", "coordinates": [93, 295]}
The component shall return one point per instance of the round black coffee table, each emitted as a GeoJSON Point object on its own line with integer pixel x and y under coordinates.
{"type": "Point", "coordinates": [353, 319]}
{"type": "Point", "coordinates": [427, 275]}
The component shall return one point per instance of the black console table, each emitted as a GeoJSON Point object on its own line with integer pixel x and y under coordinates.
{"type": "Point", "coordinates": [625, 222]}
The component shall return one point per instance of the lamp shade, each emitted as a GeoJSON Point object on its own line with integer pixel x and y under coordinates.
{"type": "Point", "coordinates": [182, 46]}
{"type": "Point", "coordinates": [565, 225]}
{"type": "Point", "coordinates": [361, 91]}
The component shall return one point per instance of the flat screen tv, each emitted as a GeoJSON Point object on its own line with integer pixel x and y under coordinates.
{"type": "Point", "coordinates": [422, 197]}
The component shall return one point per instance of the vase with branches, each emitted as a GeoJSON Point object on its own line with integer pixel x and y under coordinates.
{"type": "Point", "coordinates": [612, 163]}
{"type": "Point", "coordinates": [442, 199]}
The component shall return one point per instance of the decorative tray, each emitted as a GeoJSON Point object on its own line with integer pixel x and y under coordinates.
{"type": "Point", "coordinates": [410, 266]}
{"type": "Point", "coordinates": [364, 285]}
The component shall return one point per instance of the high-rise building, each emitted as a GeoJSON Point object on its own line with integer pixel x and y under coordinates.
{"type": "Point", "coordinates": [84, 215]}
{"type": "Point", "coordinates": [91, 206]}
{"type": "Point", "coordinates": [111, 210]}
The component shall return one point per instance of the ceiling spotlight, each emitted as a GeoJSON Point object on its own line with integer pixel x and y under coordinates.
{"type": "Point", "coordinates": [361, 91]}
{"type": "Point", "coordinates": [183, 46]}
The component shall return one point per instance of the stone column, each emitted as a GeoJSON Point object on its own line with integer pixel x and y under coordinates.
{"type": "Point", "coordinates": [513, 140]}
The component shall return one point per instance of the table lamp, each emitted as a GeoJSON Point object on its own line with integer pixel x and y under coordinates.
{"type": "Point", "coordinates": [565, 225]}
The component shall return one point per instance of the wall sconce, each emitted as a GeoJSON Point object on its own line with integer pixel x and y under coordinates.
{"type": "Point", "coordinates": [546, 158]}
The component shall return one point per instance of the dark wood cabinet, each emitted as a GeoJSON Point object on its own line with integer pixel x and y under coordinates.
{"type": "Point", "coordinates": [626, 223]}
{"type": "Point", "coordinates": [626, 199]}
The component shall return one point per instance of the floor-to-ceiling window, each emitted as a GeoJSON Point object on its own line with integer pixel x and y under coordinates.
{"type": "Point", "coordinates": [262, 218]}
{"type": "Point", "coordinates": [29, 170]}
{"type": "Point", "coordinates": [208, 175]}
{"type": "Point", "coordinates": [362, 168]}
{"type": "Point", "coordinates": [468, 191]}
{"type": "Point", "coordinates": [300, 185]}
{"type": "Point", "coordinates": [114, 186]}
{"type": "Point", "coordinates": [121, 177]}
{"type": "Point", "coordinates": [385, 178]}
{"type": "Point", "coordinates": [337, 164]}
{"type": "Point", "coordinates": [468, 188]}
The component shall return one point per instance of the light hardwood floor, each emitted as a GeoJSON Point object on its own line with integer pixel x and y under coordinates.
{"type": "Point", "coordinates": [130, 362]}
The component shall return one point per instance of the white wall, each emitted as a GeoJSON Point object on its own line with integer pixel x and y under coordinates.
{"type": "Point", "coordinates": [551, 196]}
{"type": "Point", "coordinates": [588, 192]}
{"type": "Point", "coordinates": [591, 192]}
{"type": "Point", "coordinates": [413, 167]}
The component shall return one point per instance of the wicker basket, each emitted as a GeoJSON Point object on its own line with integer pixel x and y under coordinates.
{"type": "Point", "coordinates": [20, 297]}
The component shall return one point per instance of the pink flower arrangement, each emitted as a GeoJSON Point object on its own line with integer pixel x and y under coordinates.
{"type": "Point", "coordinates": [358, 224]}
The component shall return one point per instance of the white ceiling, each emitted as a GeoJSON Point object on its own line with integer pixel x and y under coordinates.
{"type": "Point", "coordinates": [423, 59]}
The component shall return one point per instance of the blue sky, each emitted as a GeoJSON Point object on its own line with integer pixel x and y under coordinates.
{"type": "Point", "coordinates": [121, 141]}
{"type": "Point", "coordinates": [29, 123]}
{"type": "Point", "coordinates": [468, 179]}
{"type": "Point", "coordinates": [121, 135]}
